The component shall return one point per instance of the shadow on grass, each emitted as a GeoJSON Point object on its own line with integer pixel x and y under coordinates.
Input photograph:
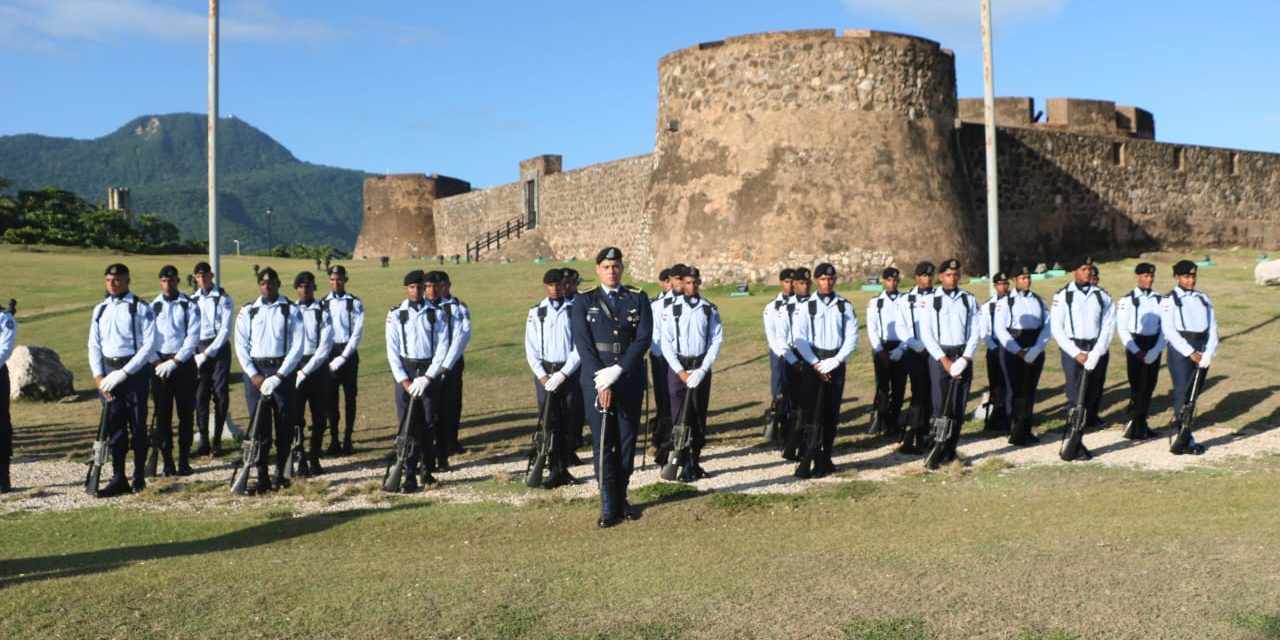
{"type": "Point", "coordinates": [22, 570]}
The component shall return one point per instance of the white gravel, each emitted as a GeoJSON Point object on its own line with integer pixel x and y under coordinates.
{"type": "Point", "coordinates": [55, 485]}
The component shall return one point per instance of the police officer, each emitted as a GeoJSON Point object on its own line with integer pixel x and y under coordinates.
{"type": "Point", "coordinates": [269, 344]}
{"type": "Point", "coordinates": [949, 330]}
{"type": "Point", "coordinates": [458, 320]}
{"type": "Point", "coordinates": [691, 333]}
{"type": "Point", "coordinates": [997, 414]}
{"type": "Point", "coordinates": [1190, 326]}
{"type": "Point", "coordinates": [548, 348]}
{"type": "Point", "coordinates": [1083, 319]}
{"type": "Point", "coordinates": [569, 280]}
{"type": "Point", "coordinates": [771, 316]}
{"type": "Point", "coordinates": [213, 357]}
{"type": "Point", "coordinates": [661, 423]}
{"type": "Point", "coordinates": [793, 369]}
{"type": "Point", "coordinates": [1138, 326]}
{"type": "Point", "coordinates": [121, 344]}
{"type": "Point", "coordinates": [612, 329]}
{"type": "Point", "coordinates": [887, 331]}
{"type": "Point", "coordinates": [174, 382]}
{"type": "Point", "coordinates": [347, 313]}
{"type": "Point", "coordinates": [826, 333]}
{"type": "Point", "coordinates": [313, 374]}
{"type": "Point", "coordinates": [8, 336]}
{"type": "Point", "coordinates": [417, 337]}
{"type": "Point", "coordinates": [917, 363]}
{"type": "Point", "coordinates": [1022, 327]}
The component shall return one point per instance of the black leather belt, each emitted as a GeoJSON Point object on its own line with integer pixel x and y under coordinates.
{"type": "Point", "coordinates": [552, 367]}
{"type": "Point", "coordinates": [204, 344]}
{"type": "Point", "coordinates": [890, 345]}
{"type": "Point", "coordinates": [611, 347]}
{"type": "Point", "coordinates": [1085, 345]}
{"type": "Point", "coordinates": [339, 346]}
{"type": "Point", "coordinates": [1194, 335]}
{"type": "Point", "coordinates": [262, 363]}
{"type": "Point", "coordinates": [953, 352]}
{"type": "Point", "coordinates": [691, 362]}
{"type": "Point", "coordinates": [1145, 343]}
{"type": "Point", "coordinates": [166, 356]}
{"type": "Point", "coordinates": [825, 353]}
{"type": "Point", "coordinates": [1035, 331]}
{"type": "Point", "coordinates": [1027, 338]}
{"type": "Point", "coordinates": [308, 356]}
{"type": "Point", "coordinates": [117, 362]}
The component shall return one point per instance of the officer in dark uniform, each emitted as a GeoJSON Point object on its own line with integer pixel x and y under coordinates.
{"type": "Point", "coordinates": [887, 331]}
{"type": "Point", "coordinates": [1190, 326]}
{"type": "Point", "coordinates": [612, 329]}
{"type": "Point", "coordinates": [458, 319]}
{"type": "Point", "coordinates": [826, 333]}
{"type": "Point", "coordinates": [177, 339]}
{"type": "Point", "coordinates": [269, 343]}
{"type": "Point", "coordinates": [417, 339]}
{"type": "Point", "coordinates": [8, 336]}
{"type": "Point", "coordinates": [949, 330]}
{"type": "Point", "coordinates": [1138, 327]}
{"type": "Point", "coordinates": [917, 361]}
{"type": "Point", "coordinates": [997, 412]}
{"type": "Point", "coordinates": [691, 334]}
{"type": "Point", "coordinates": [1083, 319]}
{"type": "Point", "coordinates": [213, 358]}
{"type": "Point", "coordinates": [313, 372]}
{"type": "Point", "coordinates": [121, 344]}
{"type": "Point", "coordinates": [1022, 328]}
{"type": "Point", "coordinates": [548, 348]}
{"type": "Point", "coordinates": [347, 313]}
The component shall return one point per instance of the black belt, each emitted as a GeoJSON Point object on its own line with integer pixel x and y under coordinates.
{"type": "Point", "coordinates": [166, 356]}
{"type": "Point", "coordinates": [415, 365]}
{"type": "Point", "coordinates": [1194, 335]}
{"type": "Point", "coordinates": [1017, 332]}
{"type": "Point", "coordinates": [339, 346]}
{"type": "Point", "coordinates": [1085, 345]}
{"type": "Point", "coordinates": [890, 345]}
{"type": "Point", "coordinates": [308, 356]}
{"type": "Point", "coordinates": [117, 362]}
{"type": "Point", "coordinates": [552, 367]}
{"type": "Point", "coordinates": [1026, 339]}
{"type": "Point", "coordinates": [825, 353]}
{"type": "Point", "coordinates": [953, 352]}
{"type": "Point", "coordinates": [1145, 343]}
{"type": "Point", "coordinates": [204, 344]}
{"type": "Point", "coordinates": [690, 362]}
{"type": "Point", "coordinates": [612, 347]}
{"type": "Point", "coordinates": [263, 363]}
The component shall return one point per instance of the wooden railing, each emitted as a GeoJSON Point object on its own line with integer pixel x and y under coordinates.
{"type": "Point", "coordinates": [493, 238]}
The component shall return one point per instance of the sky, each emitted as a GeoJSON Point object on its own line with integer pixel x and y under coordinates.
{"type": "Point", "coordinates": [467, 89]}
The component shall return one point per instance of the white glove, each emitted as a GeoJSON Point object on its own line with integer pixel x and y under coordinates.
{"type": "Point", "coordinates": [1153, 355]}
{"type": "Point", "coordinates": [554, 382]}
{"type": "Point", "coordinates": [113, 380]}
{"type": "Point", "coordinates": [695, 378]}
{"type": "Point", "coordinates": [270, 385]}
{"type": "Point", "coordinates": [915, 345]}
{"type": "Point", "coordinates": [337, 363]}
{"type": "Point", "coordinates": [1204, 360]}
{"type": "Point", "coordinates": [200, 358]}
{"type": "Point", "coordinates": [1091, 362]}
{"type": "Point", "coordinates": [419, 386]}
{"type": "Point", "coordinates": [828, 365]}
{"type": "Point", "coordinates": [896, 354]}
{"type": "Point", "coordinates": [958, 366]}
{"type": "Point", "coordinates": [166, 369]}
{"type": "Point", "coordinates": [607, 376]}
{"type": "Point", "coordinates": [298, 383]}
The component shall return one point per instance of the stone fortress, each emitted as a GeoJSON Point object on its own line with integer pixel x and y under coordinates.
{"type": "Point", "coordinates": [790, 148]}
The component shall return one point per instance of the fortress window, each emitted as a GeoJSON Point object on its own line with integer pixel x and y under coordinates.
{"type": "Point", "coordinates": [1233, 161]}
{"type": "Point", "coordinates": [1179, 159]}
{"type": "Point", "coordinates": [1118, 154]}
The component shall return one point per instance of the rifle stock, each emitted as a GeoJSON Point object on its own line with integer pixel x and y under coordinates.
{"type": "Point", "coordinates": [681, 438]}
{"type": "Point", "coordinates": [811, 434]}
{"type": "Point", "coordinates": [773, 427]}
{"type": "Point", "coordinates": [943, 427]}
{"type": "Point", "coordinates": [542, 443]}
{"type": "Point", "coordinates": [1077, 419]}
{"type": "Point", "coordinates": [99, 458]}
{"type": "Point", "coordinates": [404, 448]}
{"type": "Point", "coordinates": [250, 449]}
{"type": "Point", "coordinates": [153, 439]}
{"type": "Point", "coordinates": [1187, 418]}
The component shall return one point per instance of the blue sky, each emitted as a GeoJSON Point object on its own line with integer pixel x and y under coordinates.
{"type": "Point", "coordinates": [467, 89]}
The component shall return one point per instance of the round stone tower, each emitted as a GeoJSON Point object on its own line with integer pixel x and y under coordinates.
{"type": "Point", "coordinates": [790, 148]}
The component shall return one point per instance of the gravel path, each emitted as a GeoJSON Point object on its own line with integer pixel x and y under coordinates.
{"type": "Point", "coordinates": [49, 485]}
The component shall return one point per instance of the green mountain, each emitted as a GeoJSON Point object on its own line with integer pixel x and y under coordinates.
{"type": "Point", "coordinates": [162, 160]}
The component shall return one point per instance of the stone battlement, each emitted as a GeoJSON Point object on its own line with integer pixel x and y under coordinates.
{"type": "Point", "coordinates": [1095, 117]}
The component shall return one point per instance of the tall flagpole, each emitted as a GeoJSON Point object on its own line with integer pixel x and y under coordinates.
{"type": "Point", "coordinates": [213, 141]}
{"type": "Point", "coordinates": [989, 113]}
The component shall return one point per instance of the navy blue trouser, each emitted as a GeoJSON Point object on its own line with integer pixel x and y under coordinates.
{"type": "Point", "coordinates": [282, 419]}
{"type": "Point", "coordinates": [614, 440]}
{"type": "Point", "coordinates": [127, 420]}
{"type": "Point", "coordinates": [566, 406]}
{"type": "Point", "coordinates": [1093, 394]}
{"type": "Point", "coordinates": [827, 413]}
{"type": "Point", "coordinates": [6, 424]}
{"type": "Point", "coordinates": [998, 389]}
{"type": "Point", "coordinates": [1023, 379]}
{"type": "Point", "coordinates": [423, 428]}
{"type": "Point", "coordinates": [343, 383]}
{"type": "Point", "coordinates": [939, 380]}
{"type": "Point", "coordinates": [314, 393]}
{"type": "Point", "coordinates": [212, 382]}
{"type": "Point", "coordinates": [697, 416]}
{"type": "Point", "coordinates": [891, 381]}
{"type": "Point", "coordinates": [921, 406]}
{"type": "Point", "coordinates": [776, 365]}
{"type": "Point", "coordinates": [1182, 370]}
{"type": "Point", "coordinates": [180, 390]}
{"type": "Point", "coordinates": [1142, 385]}
{"type": "Point", "coordinates": [449, 410]}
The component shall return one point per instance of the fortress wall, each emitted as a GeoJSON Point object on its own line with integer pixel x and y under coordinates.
{"type": "Point", "coordinates": [399, 214]}
{"type": "Point", "coordinates": [463, 217]}
{"type": "Point", "coordinates": [587, 209]}
{"type": "Point", "coordinates": [1064, 194]}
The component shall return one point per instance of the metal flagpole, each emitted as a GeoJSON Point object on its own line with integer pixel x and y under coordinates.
{"type": "Point", "coordinates": [989, 113]}
{"type": "Point", "coordinates": [213, 141]}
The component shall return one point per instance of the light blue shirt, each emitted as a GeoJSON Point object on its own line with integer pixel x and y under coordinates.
{"type": "Point", "coordinates": [417, 334]}
{"type": "Point", "coordinates": [177, 326]}
{"type": "Point", "coordinates": [691, 327]}
{"type": "Point", "coordinates": [907, 307]}
{"type": "Point", "coordinates": [1023, 311]}
{"type": "Point", "coordinates": [1089, 316]}
{"type": "Point", "coordinates": [783, 341]}
{"type": "Point", "coordinates": [1139, 318]}
{"type": "Point", "coordinates": [1195, 313]}
{"type": "Point", "coordinates": [269, 330]}
{"type": "Point", "coordinates": [216, 317]}
{"type": "Point", "coordinates": [347, 313]}
{"type": "Point", "coordinates": [459, 323]}
{"type": "Point", "coordinates": [885, 321]}
{"type": "Point", "coordinates": [317, 335]}
{"type": "Point", "coordinates": [772, 316]}
{"type": "Point", "coordinates": [8, 335]}
{"type": "Point", "coordinates": [820, 324]}
{"type": "Point", "coordinates": [117, 332]}
{"type": "Point", "coordinates": [659, 304]}
{"type": "Point", "coordinates": [548, 337]}
{"type": "Point", "coordinates": [948, 319]}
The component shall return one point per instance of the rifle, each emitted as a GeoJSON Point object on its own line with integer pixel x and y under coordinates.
{"type": "Point", "coordinates": [681, 438]}
{"type": "Point", "coordinates": [542, 444]}
{"type": "Point", "coordinates": [1178, 443]}
{"type": "Point", "coordinates": [774, 425]}
{"type": "Point", "coordinates": [943, 427]}
{"type": "Point", "coordinates": [251, 448]}
{"type": "Point", "coordinates": [812, 433]}
{"type": "Point", "coordinates": [153, 435]}
{"type": "Point", "coordinates": [644, 445]}
{"type": "Point", "coordinates": [878, 409]}
{"type": "Point", "coordinates": [1077, 417]}
{"type": "Point", "coordinates": [99, 457]}
{"type": "Point", "coordinates": [406, 447]}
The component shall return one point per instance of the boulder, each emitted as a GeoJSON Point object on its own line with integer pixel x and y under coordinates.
{"type": "Point", "coordinates": [1267, 273]}
{"type": "Point", "coordinates": [37, 373]}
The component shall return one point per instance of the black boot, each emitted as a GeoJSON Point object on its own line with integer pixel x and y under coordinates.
{"type": "Point", "coordinates": [203, 449]}
{"type": "Point", "coordinates": [216, 444]}
{"type": "Point", "coordinates": [184, 464]}
{"type": "Point", "coordinates": [263, 486]}
{"type": "Point", "coordinates": [5, 487]}
{"type": "Point", "coordinates": [280, 481]}
{"type": "Point", "coordinates": [169, 470]}
{"type": "Point", "coordinates": [347, 448]}
{"type": "Point", "coordinates": [118, 486]}
{"type": "Point", "coordinates": [139, 470]}
{"type": "Point", "coordinates": [313, 461]}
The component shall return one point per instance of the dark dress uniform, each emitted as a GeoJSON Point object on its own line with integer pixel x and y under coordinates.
{"type": "Point", "coordinates": [658, 371]}
{"type": "Point", "coordinates": [691, 334]}
{"type": "Point", "coordinates": [1190, 325]}
{"type": "Point", "coordinates": [613, 328]}
{"type": "Point", "coordinates": [548, 348]}
{"type": "Point", "coordinates": [826, 333]}
{"type": "Point", "coordinates": [8, 336]}
{"type": "Point", "coordinates": [177, 338]}
{"type": "Point", "coordinates": [213, 363]}
{"type": "Point", "coordinates": [1022, 322]}
{"type": "Point", "coordinates": [347, 313]}
{"type": "Point", "coordinates": [417, 338]}
{"type": "Point", "coordinates": [313, 386]}
{"type": "Point", "coordinates": [1083, 319]}
{"type": "Point", "coordinates": [949, 327]}
{"type": "Point", "coordinates": [121, 345]}
{"type": "Point", "coordinates": [1138, 327]}
{"type": "Point", "coordinates": [269, 342]}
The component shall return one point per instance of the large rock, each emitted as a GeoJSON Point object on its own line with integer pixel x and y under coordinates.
{"type": "Point", "coordinates": [1267, 273]}
{"type": "Point", "coordinates": [37, 373]}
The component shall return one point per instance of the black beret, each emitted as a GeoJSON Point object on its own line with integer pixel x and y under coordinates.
{"type": "Point", "coordinates": [413, 277]}
{"type": "Point", "coordinates": [679, 271]}
{"type": "Point", "coordinates": [338, 269]}
{"type": "Point", "coordinates": [679, 265]}
{"type": "Point", "coordinates": [117, 269]}
{"type": "Point", "coordinates": [787, 274]}
{"type": "Point", "coordinates": [824, 269]}
{"type": "Point", "coordinates": [802, 273]}
{"type": "Point", "coordinates": [202, 267]}
{"type": "Point", "coordinates": [433, 277]}
{"type": "Point", "coordinates": [1024, 270]}
{"type": "Point", "coordinates": [664, 274]}
{"type": "Point", "coordinates": [268, 274]}
{"type": "Point", "coordinates": [948, 265]}
{"type": "Point", "coordinates": [1144, 267]}
{"type": "Point", "coordinates": [569, 274]}
{"type": "Point", "coordinates": [1000, 276]}
{"type": "Point", "coordinates": [890, 272]}
{"type": "Point", "coordinates": [1093, 269]}
{"type": "Point", "coordinates": [1075, 263]}
{"type": "Point", "coordinates": [444, 276]}
{"type": "Point", "coordinates": [305, 277]}
{"type": "Point", "coordinates": [1184, 268]}
{"type": "Point", "coordinates": [924, 268]}
{"type": "Point", "coordinates": [695, 273]}
{"type": "Point", "coordinates": [608, 253]}
{"type": "Point", "coordinates": [552, 276]}
{"type": "Point", "coordinates": [168, 271]}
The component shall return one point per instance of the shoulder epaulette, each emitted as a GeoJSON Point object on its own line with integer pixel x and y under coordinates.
{"type": "Point", "coordinates": [632, 289]}
{"type": "Point", "coordinates": [590, 290]}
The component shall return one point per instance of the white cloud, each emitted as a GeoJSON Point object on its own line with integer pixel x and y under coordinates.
{"type": "Point", "coordinates": [948, 19]}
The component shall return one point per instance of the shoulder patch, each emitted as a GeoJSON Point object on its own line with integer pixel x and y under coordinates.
{"type": "Point", "coordinates": [589, 290]}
